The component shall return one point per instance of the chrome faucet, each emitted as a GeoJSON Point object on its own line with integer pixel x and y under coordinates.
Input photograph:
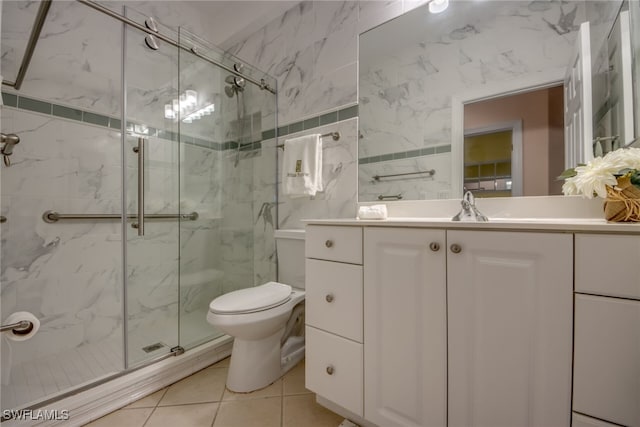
{"type": "Point", "coordinates": [469, 212]}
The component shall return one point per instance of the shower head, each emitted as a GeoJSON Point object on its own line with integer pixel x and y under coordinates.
{"type": "Point", "coordinates": [230, 91]}
{"type": "Point", "coordinates": [236, 84]}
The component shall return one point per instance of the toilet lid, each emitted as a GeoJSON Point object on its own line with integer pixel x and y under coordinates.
{"type": "Point", "coordinates": [253, 299]}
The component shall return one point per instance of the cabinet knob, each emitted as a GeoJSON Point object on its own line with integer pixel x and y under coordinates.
{"type": "Point", "coordinates": [434, 246]}
{"type": "Point", "coordinates": [330, 370]}
{"type": "Point", "coordinates": [328, 243]}
{"type": "Point", "coordinates": [456, 249]}
{"type": "Point", "coordinates": [329, 297]}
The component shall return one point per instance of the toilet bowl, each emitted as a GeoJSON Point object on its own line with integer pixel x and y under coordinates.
{"type": "Point", "coordinates": [263, 320]}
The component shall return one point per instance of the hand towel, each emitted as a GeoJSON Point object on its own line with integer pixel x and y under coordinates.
{"type": "Point", "coordinates": [372, 212]}
{"type": "Point", "coordinates": [302, 166]}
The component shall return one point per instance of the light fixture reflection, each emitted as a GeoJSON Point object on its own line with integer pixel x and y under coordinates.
{"type": "Point", "coordinates": [186, 106]}
{"type": "Point", "coordinates": [438, 6]}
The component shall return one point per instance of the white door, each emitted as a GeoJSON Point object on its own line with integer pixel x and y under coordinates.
{"type": "Point", "coordinates": [405, 327]}
{"type": "Point", "coordinates": [510, 327]}
{"type": "Point", "coordinates": [578, 132]}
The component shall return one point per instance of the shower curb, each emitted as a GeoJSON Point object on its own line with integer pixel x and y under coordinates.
{"type": "Point", "coordinates": [105, 398]}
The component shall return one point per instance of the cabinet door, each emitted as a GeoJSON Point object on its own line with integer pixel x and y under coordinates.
{"type": "Point", "coordinates": [606, 381]}
{"type": "Point", "coordinates": [405, 327]}
{"type": "Point", "coordinates": [510, 328]}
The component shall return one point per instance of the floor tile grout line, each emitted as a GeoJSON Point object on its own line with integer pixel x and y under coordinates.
{"type": "Point", "coordinates": [149, 417]}
{"type": "Point", "coordinates": [215, 416]}
{"type": "Point", "coordinates": [282, 402]}
{"type": "Point", "coordinates": [166, 389]}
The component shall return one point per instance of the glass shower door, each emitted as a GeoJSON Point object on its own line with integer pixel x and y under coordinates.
{"type": "Point", "coordinates": [227, 175]}
{"type": "Point", "coordinates": [66, 271]}
{"type": "Point", "coordinates": [151, 163]}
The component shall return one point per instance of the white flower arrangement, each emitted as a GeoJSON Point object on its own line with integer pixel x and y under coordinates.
{"type": "Point", "coordinates": [593, 178]}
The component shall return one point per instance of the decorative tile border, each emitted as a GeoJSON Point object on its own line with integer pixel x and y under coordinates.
{"type": "Point", "coordinates": [313, 122]}
{"type": "Point", "coordinates": [43, 107]}
{"type": "Point", "coordinates": [64, 112]}
{"type": "Point", "coordinates": [406, 154]}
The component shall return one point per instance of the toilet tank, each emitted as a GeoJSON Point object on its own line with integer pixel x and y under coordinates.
{"type": "Point", "coordinates": [290, 250]}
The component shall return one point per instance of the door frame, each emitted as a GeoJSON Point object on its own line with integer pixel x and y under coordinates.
{"type": "Point", "coordinates": [515, 127]}
{"type": "Point", "coordinates": [542, 80]}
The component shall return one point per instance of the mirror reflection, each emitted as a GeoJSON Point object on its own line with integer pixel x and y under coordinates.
{"type": "Point", "coordinates": [500, 132]}
{"type": "Point", "coordinates": [440, 92]}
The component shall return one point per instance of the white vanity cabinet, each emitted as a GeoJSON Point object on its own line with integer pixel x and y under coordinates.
{"type": "Point", "coordinates": [405, 362]}
{"type": "Point", "coordinates": [459, 327]}
{"type": "Point", "coordinates": [606, 380]}
{"type": "Point", "coordinates": [510, 298]}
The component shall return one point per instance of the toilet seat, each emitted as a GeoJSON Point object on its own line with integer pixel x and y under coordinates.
{"type": "Point", "coordinates": [252, 300]}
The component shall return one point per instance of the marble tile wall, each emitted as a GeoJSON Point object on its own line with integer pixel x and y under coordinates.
{"type": "Point", "coordinates": [68, 275]}
{"type": "Point", "coordinates": [421, 186]}
{"type": "Point", "coordinates": [340, 172]}
{"type": "Point", "coordinates": [312, 51]}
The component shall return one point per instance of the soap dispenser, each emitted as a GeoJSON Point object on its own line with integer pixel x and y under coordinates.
{"type": "Point", "coordinates": [469, 212]}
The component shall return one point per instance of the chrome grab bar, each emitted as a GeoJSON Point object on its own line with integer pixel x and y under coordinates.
{"type": "Point", "coordinates": [53, 216]}
{"type": "Point", "coordinates": [140, 151]}
{"type": "Point", "coordinates": [431, 172]}
{"type": "Point", "coordinates": [21, 327]}
{"type": "Point", "coordinates": [390, 197]}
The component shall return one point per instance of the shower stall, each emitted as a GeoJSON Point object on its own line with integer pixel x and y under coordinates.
{"type": "Point", "coordinates": [141, 188]}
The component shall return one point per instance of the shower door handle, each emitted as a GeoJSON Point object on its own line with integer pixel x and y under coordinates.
{"type": "Point", "coordinates": [140, 151]}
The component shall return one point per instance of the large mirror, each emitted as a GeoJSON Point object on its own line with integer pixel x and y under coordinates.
{"type": "Point", "coordinates": [497, 97]}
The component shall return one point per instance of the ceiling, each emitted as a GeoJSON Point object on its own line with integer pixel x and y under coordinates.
{"type": "Point", "coordinates": [233, 20]}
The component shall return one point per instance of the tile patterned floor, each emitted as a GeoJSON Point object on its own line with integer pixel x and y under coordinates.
{"type": "Point", "coordinates": [201, 400]}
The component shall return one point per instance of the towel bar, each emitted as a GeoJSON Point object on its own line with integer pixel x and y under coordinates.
{"type": "Point", "coordinates": [334, 135]}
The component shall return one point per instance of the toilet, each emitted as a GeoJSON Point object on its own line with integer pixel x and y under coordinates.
{"type": "Point", "coordinates": [264, 320]}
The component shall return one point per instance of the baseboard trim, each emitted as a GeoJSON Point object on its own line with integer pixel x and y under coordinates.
{"type": "Point", "coordinates": [96, 402]}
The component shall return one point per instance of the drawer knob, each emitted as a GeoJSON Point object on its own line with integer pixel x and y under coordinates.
{"type": "Point", "coordinates": [434, 246]}
{"type": "Point", "coordinates": [329, 243]}
{"type": "Point", "coordinates": [330, 370]}
{"type": "Point", "coordinates": [329, 297]}
{"type": "Point", "coordinates": [456, 249]}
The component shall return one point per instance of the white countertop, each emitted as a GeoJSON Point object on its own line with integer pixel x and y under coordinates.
{"type": "Point", "coordinates": [591, 225]}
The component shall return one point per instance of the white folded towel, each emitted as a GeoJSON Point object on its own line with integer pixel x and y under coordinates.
{"type": "Point", "coordinates": [372, 212]}
{"type": "Point", "coordinates": [302, 166]}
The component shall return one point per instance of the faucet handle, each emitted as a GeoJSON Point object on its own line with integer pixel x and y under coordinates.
{"type": "Point", "coordinates": [469, 198]}
{"type": "Point", "coordinates": [469, 212]}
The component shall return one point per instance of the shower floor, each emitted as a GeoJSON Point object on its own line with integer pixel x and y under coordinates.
{"type": "Point", "coordinates": [48, 376]}
{"type": "Point", "coordinates": [51, 375]}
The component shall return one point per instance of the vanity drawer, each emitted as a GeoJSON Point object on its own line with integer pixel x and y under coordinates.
{"type": "Point", "coordinates": [334, 369]}
{"type": "Point", "coordinates": [334, 297]}
{"type": "Point", "coordinates": [608, 265]}
{"type": "Point", "coordinates": [606, 379]}
{"type": "Point", "coordinates": [343, 244]}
